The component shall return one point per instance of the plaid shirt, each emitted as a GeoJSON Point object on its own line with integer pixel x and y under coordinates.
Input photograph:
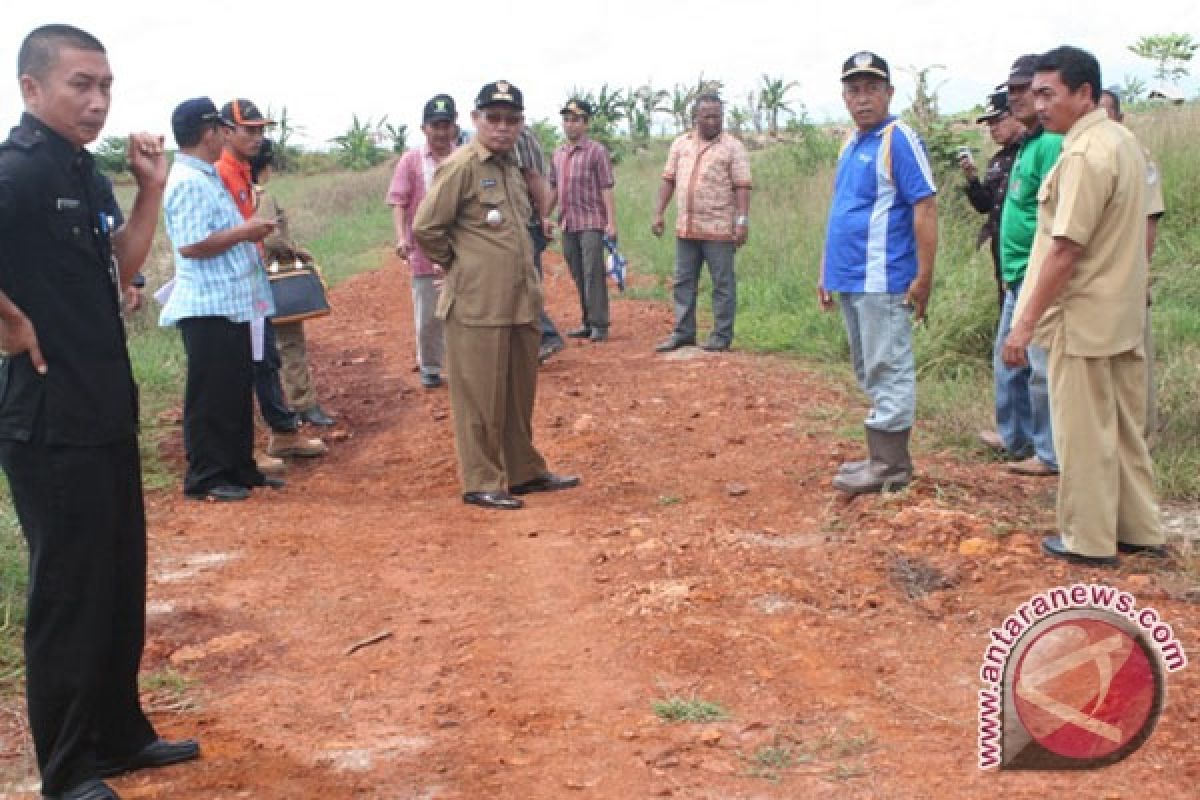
{"type": "Point", "coordinates": [528, 153]}
{"type": "Point", "coordinates": [232, 284]}
{"type": "Point", "coordinates": [410, 182]}
{"type": "Point", "coordinates": [581, 172]}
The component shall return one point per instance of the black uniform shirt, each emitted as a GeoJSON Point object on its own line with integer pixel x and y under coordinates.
{"type": "Point", "coordinates": [56, 216]}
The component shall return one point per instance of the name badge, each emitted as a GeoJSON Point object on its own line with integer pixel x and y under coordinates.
{"type": "Point", "coordinates": [488, 183]}
{"type": "Point", "coordinates": [66, 203]}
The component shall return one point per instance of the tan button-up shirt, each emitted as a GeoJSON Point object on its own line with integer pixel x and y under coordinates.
{"type": "Point", "coordinates": [472, 222]}
{"type": "Point", "coordinates": [706, 173]}
{"type": "Point", "coordinates": [1096, 197]}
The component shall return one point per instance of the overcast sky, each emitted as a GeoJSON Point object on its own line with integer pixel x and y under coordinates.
{"type": "Point", "coordinates": [389, 58]}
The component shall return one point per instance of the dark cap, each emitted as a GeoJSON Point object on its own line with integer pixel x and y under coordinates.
{"type": "Point", "coordinates": [1021, 72]}
{"type": "Point", "coordinates": [865, 62]}
{"type": "Point", "coordinates": [997, 106]}
{"type": "Point", "coordinates": [576, 106]}
{"type": "Point", "coordinates": [192, 116]}
{"type": "Point", "coordinates": [439, 107]}
{"type": "Point", "coordinates": [500, 93]}
{"type": "Point", "coordinates": [243, 112]}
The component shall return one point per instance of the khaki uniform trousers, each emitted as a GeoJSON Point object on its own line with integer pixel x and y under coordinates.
{"type": "Point", "coordinates": [293, 353]}
{"type": "Point", "coordinates": [493, 383]}
{"type": "Point", "coordinates": [1106, 484]}
{"type": "Point", "coordinates": [1151, 389]}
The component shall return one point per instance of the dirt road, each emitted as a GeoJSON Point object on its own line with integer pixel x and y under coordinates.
{"type": "Point", "coordinates": [521, 654]}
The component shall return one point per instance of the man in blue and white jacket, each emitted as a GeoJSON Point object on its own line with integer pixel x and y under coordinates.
{"type": "Point", "coordinates": [880, 246]}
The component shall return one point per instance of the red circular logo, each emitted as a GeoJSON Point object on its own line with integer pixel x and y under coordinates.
{"type": "Point", "coordinates": [1084, 688]}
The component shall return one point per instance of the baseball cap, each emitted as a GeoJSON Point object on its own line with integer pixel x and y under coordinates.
{"type": "Point", "coordinates": [580, 107]}
{"type": "Point", "coordinates": [243, 112]}
{"type": "Point", "coordinates": [500, 93]}
{"type": "Point", "coordinates": [439, 107]}
{"type": "Point", "coordinates": [997, 106]}
{"type": "Point", "coordinates": [192, 116]}
{"type": "Point", "coordinates": [865, 62]}
{"type": "Point", "coordinates": [1021, 72]}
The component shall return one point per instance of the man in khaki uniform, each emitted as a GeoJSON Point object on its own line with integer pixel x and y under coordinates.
{"type": "Point", "coordinates": [472, 222]}
{"type": "Point", "coordinates": [1155, 209]}
{"type": "Point", "coordinates": [1084, 302]}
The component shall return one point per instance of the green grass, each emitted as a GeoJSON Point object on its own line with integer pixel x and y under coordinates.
{"type": "Point", "coordinates": [778, 269]}
{"type": "Point", "coordinates": [341, 217]}
{"type": "Point", "coordinates": [678, 709]}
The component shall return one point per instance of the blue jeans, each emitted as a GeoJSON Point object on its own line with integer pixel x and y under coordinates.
{"type": "Point", "coordinates": [880, 335]}
{"type": "Point", "coordinates": [1022, 394]}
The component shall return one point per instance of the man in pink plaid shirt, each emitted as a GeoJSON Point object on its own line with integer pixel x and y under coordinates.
{"type": "Point", "coordinates": [582, 176]}
{"type": "Point", "coordinates": [414, 174]}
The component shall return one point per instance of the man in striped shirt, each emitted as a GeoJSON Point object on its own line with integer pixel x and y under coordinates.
{"type": "Point", "coordinates": [220, 285]}
{"type": "Point", "coordinates": [879, 251]}
{"type": "Point", "coordinates": [582, 175]}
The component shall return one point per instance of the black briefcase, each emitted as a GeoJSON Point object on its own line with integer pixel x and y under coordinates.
{"type": "Point", "coordinates": [299, 295]}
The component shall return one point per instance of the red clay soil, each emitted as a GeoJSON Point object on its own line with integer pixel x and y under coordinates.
{"type": "Point", "coordinates": [520, 655]}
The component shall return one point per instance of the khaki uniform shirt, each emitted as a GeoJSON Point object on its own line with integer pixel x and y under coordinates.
{"type": "Point", "coordinates": [1096, 197]}
{"type": "Point", "coordinates": [490, 277]}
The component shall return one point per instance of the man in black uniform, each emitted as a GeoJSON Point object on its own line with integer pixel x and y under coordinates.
{"type": "Point", "coordinates": [68, 417]}
{"type": "Point", "coordinates": [987, 195]}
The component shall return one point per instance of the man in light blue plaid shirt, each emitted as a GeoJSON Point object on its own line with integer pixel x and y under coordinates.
{"type": "Point", "coordinates": [220, 286]}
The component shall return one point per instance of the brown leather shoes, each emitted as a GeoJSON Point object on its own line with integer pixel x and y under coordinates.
{"type": "Point", "coordinates": [1032, 466]}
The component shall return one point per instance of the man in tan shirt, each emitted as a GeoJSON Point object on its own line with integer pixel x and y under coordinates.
{"type": "Point", "coordinates": [712, 171]}
{"type": "Point", "coordinates": [473, 223]}
{"type": "Point", "coordinates": [1084, 302]}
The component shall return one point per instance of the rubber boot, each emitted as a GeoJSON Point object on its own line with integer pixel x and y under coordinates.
{"type": "Point", "coordinates": [889, 468]}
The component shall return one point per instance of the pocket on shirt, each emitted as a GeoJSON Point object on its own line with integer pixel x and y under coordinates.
{"type": "Point", "coordinates": [77, 258]}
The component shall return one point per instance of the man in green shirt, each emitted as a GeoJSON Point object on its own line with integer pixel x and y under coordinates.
{"type": "Point", "coordinates": [1023, 426]}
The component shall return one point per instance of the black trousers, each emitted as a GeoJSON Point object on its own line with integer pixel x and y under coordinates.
{"type": "Point", "coordinates": [82, 514]}
{"type": "Point", "coordinates": [269, 389]}
{"type": "Point", "coordinates": [218, 405]}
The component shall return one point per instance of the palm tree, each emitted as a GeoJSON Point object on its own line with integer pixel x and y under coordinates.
{"type": "Point", "coordinates": [650, 101]}
{"type": "Point", "coordinates": [772, 100]}
{"type": "Point", "coordinates": [681, 107]}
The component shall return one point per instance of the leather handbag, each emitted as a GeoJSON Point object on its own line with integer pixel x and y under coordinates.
{"type": "Point", "coordinates": [299, 295]}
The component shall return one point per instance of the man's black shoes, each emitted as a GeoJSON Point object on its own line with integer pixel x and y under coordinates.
{"type": "Point", "coordinates": [1151, 550]}
{"type": "Point", "coordinates": [582, 332]}
{"type": "Point", "coordinates": [715, 346]}
{"type": "Point", "coordinates": [1054, 547]}
{"type": "Point", "coordinates": [546, 482]}
{"type": "Point", "coordinates": [548, 349]}
{"type": "Point", "coordinates": [88, 790]}
{"type": "Point", "coordinates": [599, 335]}
{"type": "Point", "coordinates": [674, 343]}
{"type": "Point", "coordinates": [502, 501]}
{"type": "Point", "coordinates": [159, 753]}
{"type": "Point", "coordinates": [221, 494]}
{"type": "Point", "coordinates": [316, 416]}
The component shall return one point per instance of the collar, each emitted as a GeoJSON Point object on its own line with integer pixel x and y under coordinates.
{"type": "Point", "coordinates": [198, 164]}
{"type": "Point", "coordinates": [233, 162]}
{"type": "Point", "coordinates": [706, 142]}
{"type": "Point", "coordinates": [582, 143]}
{"type": "Point", "coordinates": [1084, 123]}
{"type": "Point", "coordinates": [427, 152]}
{"type": "Point", "coordinates": [59, 148]}
{"type": "Point", "coordinates": [483, 154]}
{"type": "Point", "coordinates": [876, 131]}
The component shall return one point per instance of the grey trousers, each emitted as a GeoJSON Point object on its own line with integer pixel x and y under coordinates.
{"type": "Point", "coordinates": [690, 255]}
{"type": "Point", "coordinates": [431, 334]}
{"type": "Point", "coordinates": [584, 253]}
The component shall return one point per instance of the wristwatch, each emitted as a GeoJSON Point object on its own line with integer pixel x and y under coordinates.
{"type": "Point", "coordinates": [742, 221]}
{"type": "Point", "coordinates": [138, 281]}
